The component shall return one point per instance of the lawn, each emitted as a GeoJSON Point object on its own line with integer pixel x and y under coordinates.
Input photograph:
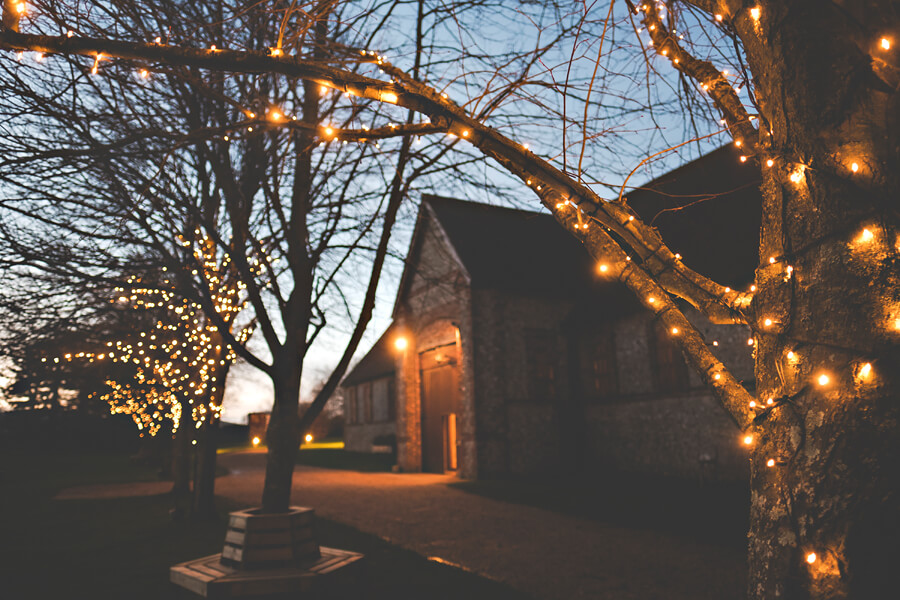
{"type": "Point", "coordinates": [123, 547]}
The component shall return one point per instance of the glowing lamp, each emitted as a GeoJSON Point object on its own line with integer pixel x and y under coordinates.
{"type": "Point", "coordinates": [603, 268]}
{"type": "Point", "coordinates": [866, 236]}
{"type": "Point", "coordinates": [770, 162]}
{"type": "Point", "coordinates": [770, 462]}
{"type": "Point", "coordinates": [753, 404]}
{"type": "Point", "coordinates": [823, 379]}
{"type": "Point", "coordinates": [276, 51]}
{"type": "Point", "coordinates": [755, 13]}
{"type": "Point", "coordinates": [256, 441]}
{"type": "Point", "coordinates": [865, 370]}
{"type": "Point", "coordinates": [767, 322]}
{"type": "Point", "coordinates": [748, 439]}
{"type": "Point", "coordinates": [674, 331]}
{"type": "Point", "coordinates": [308, 438]}
{"type": "Point", "coordinates": [811, 557]}
{"type": "Point", "coordinates": [401, 343]}
{"type": "Point", "coordinates": [854, 167]}
{"type": "Point", "coordinates": [750, 341]}
{"type": "Point", "coordinates": [885, 44]}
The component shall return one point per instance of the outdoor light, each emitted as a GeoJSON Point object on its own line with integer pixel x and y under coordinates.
{"type": "Point", "coordinates": [811, 557]}
{"type": "Point", "coordinates": [256, 441]}
{"type": "Point", "coordinates": [401, 343]}
{"type": "Point", "coordinates": [390, 97]}
{"type": "Point", "coordinates": [308, 438]}
{"type": "Point", "coordinates": [885, 44]}
{"type": "Point", "coordinates": [824, 379]}
{"type": "Point", "coordinates": [748, 439]}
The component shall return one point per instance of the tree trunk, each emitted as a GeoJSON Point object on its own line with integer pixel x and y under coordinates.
{"type": "Point", "coordinates": [282, 437]}
{"type": "Point", "coordinates": [181, 469]}
{"type": "Point", "coordinates": [203, 505]}
{"type": "Point", "coordinates": [825, 499]}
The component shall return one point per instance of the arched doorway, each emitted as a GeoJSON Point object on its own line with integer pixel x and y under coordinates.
{"type": "Point", "coordinates": [440, 407]}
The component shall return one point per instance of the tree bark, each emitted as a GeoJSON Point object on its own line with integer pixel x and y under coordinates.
{"type": "Point", "coordinates": [282, 437]}
{"type": "Point", "coordinates": [203, 504]}
{"type": "Point", "coordinates": [824, 516]}
{"type": "Point", "coordinates": [181, 470]}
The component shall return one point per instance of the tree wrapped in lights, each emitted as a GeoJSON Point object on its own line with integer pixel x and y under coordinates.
{"type": "Point", "coordinates": [179, 365]}
{"type": "Point", "coordinates": [814, 103]}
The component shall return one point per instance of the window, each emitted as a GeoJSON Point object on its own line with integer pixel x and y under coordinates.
{"type": "Point", "coordinates": [350, 406]}
{"type": "Point", "coordinates": [364, 406]}
{"type": "Point", "coordinates": [598, 363]}
{"type": "Point", "coordinates": [541, 358]}
{"type": "Point", "coordinates": [380, 401]}
{"type": "Point", "coordinates": [671, 372]}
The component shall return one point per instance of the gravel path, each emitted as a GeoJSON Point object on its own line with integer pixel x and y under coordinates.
{"type": "Point", "coordinates": [546, 554]}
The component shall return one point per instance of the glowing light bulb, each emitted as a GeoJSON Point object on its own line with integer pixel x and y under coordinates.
{"type": "Point", "coordinates": [743, 159]}
{"type": "Point", "coordinates": [389, 97]}
{"type": "Point", "coordinates": [885, 44]}
{"type": "Point", "coordinates": [674, 331]}
{"type": "Point", "coordinates": [651, 299]}
{"type": "Point", "coordinates": [767, 322]}
{"type": "Point", "coordinates": [20, 8]}
{"type": "Point", "coordinates": [748, 439]}
{"type": "Point", "coordinates": [790, 355]}
{"type": "Point", "coordinates": [750, 341]}
{"type": "Point", "coordinates": [401, 343]}
{"type": "Point", "coordinates": [753, 404]}
{"type": "Point", "coordinates": [308, 438]}
{"type": "Point", "coordinates": [603, 268]}
{"type": "Point", "coordinates": [276, 51]}
{"type": "Point", "coordinates": [770, 401]}
{"type": "Point", "coordinates": [865, 370]}
{"type": "Point", "coordinates": [771, 260]}
{"type": "Point", "coordinates": [770, 462]}
{"type": "Point", "coordinates": [854, 167]}
{"type": "Point", "coordinates": [770, 162]}
{"type": "Point", "coordinates": [738, 143]}
{"type": "Point", "coordinates": [866, 236]}
{"type": "Point", "coordinates": [719, 18]}
{"type": "Point", "coordinates": [755, 13]}
{"type": "Point", "coordinates": [144, 73]}
{"type": "Point", "coordinates": [256, 441]}
{"type": "Point", "coordinates": [717, 376]}
{"type": "Point", "coordinates": [465, 133]}
{"type": "Point", "coordinates": [811, 557]}
{"type": "Point", "coordinates": [823, 379]}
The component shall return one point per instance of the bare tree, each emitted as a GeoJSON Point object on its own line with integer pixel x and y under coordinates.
{"type": "Point", "coordinates": [822, 80]}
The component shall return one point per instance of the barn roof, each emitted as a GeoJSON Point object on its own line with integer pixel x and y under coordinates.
{"type": "Point", "coordinates": [378, 362]}
{"type": "Point", "coordinates": [707, 210]}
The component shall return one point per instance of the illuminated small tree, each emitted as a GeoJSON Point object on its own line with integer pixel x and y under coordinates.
{"type": "Point", "coordinates": [179, 365]}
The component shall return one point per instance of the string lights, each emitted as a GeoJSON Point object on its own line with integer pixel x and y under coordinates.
{"type": "Point", "coordinates": [177, 364]}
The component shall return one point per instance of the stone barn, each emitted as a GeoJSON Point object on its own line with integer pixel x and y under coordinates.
{"type": "Point", "coordinates": [509, 354]}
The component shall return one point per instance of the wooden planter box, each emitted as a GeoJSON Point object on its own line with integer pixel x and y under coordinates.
{"type": "Point", "coordinates": [267, 554]}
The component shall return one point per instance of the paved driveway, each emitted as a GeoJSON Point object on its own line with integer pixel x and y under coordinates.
{"type": "Point", "coordinates": [548, 555]}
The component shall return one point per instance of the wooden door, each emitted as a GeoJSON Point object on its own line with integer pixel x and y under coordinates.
{"type": "Point", "coordinates": [439, 409]}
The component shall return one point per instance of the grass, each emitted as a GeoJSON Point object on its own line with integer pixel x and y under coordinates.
{"type": "Point", "coordinates": [123, 547]}
{"type": "Point", "coordinates": [338, 458]}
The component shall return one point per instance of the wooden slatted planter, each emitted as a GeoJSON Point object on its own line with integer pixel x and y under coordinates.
{"type": "Point", "coordinates": [267, 554]}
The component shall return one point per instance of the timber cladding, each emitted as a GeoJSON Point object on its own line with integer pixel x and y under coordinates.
{"type": "Point", "coordinates": [259, 541]}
